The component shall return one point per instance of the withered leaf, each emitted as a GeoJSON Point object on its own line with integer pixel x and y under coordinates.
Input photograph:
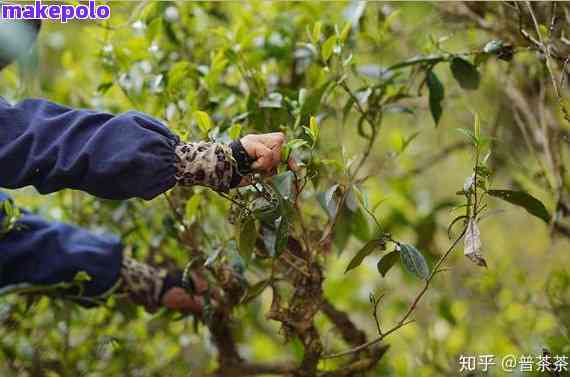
{"type": "Point", "coordinates": [473, 244]}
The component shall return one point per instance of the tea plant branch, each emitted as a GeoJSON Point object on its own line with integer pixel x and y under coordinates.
{"type": "Point", "coordinates": [252, 369]}
{"type": "Point", "coordinates": [293, 265]}
{"type": "Point", "coordinates": [347, 329]}
{"type": "Point", "coordinates": [547, 53]}
{"type": "Point", "coordinates": [175, 211]}
{"type": "Point", "coordinates": [542, 46]}
{"type": "Point", "coordinates": [404, 320]}
{"type": "Point", "coordinates": [358, 366]}
{"type": "Point", "coordinates": [545, 48]}
{"type": "Point", "coordinates": [227, 197]}
{"type": "Point", "coordinates": [429, 162]}
{"type": "Point", "coordinates": [371, 121]}
{"type": "Point", "coordinates": [375, 304]}
{"type": "Point", "coordinates": [328, 230]}
{"type": "Point", "coordinates": [562, 229]}
{"type": "Point", "coordinates": [304, 230]}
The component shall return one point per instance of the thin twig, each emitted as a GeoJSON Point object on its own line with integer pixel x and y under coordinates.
{"type": "Point", "coordinates": [371, 121]}
{"type": "Point", "coordinates": [404, 320]}
{"type": "Point", "coordinates": [431, 161]}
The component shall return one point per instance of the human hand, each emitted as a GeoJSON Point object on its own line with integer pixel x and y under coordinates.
{"type": "Point", "coordinates": [265, 150]}
{"type": "Point", "coordinates": [178, 298]}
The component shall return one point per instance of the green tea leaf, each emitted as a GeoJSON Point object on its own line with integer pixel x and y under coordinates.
{"type": "Point", "coordinates": [359, 226]}
{"type": "Point", "coordinates": [314, 127]}
{"type": "Point", "coordinates": [192, 206]}
{"type": "Point", "coordinates": [316, 34]}
{"type": "Point", "coordinates": [265, 211]}
{"type": "Point", "coordinates": [282, 234]}
{"type": "Point", "coordinates": [296, 144]}
{"type": "Point", "coordinates": [413, 261]}
{"type": "Point", "coordinates": [235, 131]}
{"type": "Point", "coordinates": [203, 120]}
{"type": "Point", "coordinates": [284, 184]}
{"type": "Point", "coordinates": [328, 47]}
{"type": "Point", "coordinates": [469, 134]}
{"type": "Point", "coordinates": [82, 276]}
{"type": "Point", "coordinates": [312, 99]}
{"type": "Point", "coordinates": [365, 251]}
{"type": "Point", "coordinates": [255, 290]}
{"type": "Point", "coordinates": [436, 95]}
{"type": "Point", "coordinates": [465, 73]}
{"type": "Point", "coordinates": [247, 237]}
{"type": "Point", "coordinates": [386, 262]}
{"type": "Point", "coordinates": [525, 200]}
{"type": "Point", "coordinates": [177, 75]}
{"type": "Point", "coordinates": [345, 32]}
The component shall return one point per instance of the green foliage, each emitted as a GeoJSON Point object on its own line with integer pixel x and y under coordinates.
{"type": "Point", "coordinates": [524, 200]}
{"type": "Point", "coordinates": [355, 89]}
{"type": "Point", "coordinates": [10, 215]}
{"type": "Point", "coordinates": [413, 261]}
{"type": "Point", "coordinates": [386, 262]}
{"type": "Point", "coordinates": [465, 73]}
{"type": "Point", "coordinates": [246, 236]}
{"type": "Point", "coordinates": [204, 121]}
{"type": "Point", "coordinates": [365, 251]}
{"type": "Point", "coordinates": [436, 95]}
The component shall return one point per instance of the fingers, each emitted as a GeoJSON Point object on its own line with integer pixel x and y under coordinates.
{"type": "Point", "coordinates": [270, 140]}
{"type": "Point", "coordinates": [275, 139]}
{"type": "Point", "coordinates": [264, 158]}
{"type": "Point", "coordinates": [176, 298]}
{"type": "Point", "coordinates": [266, 149]}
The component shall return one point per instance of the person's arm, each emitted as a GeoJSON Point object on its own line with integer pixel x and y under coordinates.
{"type": "Point", "coordinates": [42, 257]}
{"type": "Point", "coordinates": [35, 252]}
{"type": "Point", "coordinates": [52, 147]}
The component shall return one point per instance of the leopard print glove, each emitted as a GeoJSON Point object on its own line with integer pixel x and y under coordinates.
{"type": "Point", "coordinates": [213, 165]}
{"type": "Point", "coordinates": [205, 164]}
{"type": "Point", "coordinates": [143, 284]}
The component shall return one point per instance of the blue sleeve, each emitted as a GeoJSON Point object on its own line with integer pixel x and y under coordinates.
{"type": "Point", "coordinates": [52, 147]}
{"type": "Point", "coordinates": [37, 252]}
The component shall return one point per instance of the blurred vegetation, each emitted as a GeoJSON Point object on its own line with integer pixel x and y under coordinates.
{"type": "Point", "coordinates": [402, 117]}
